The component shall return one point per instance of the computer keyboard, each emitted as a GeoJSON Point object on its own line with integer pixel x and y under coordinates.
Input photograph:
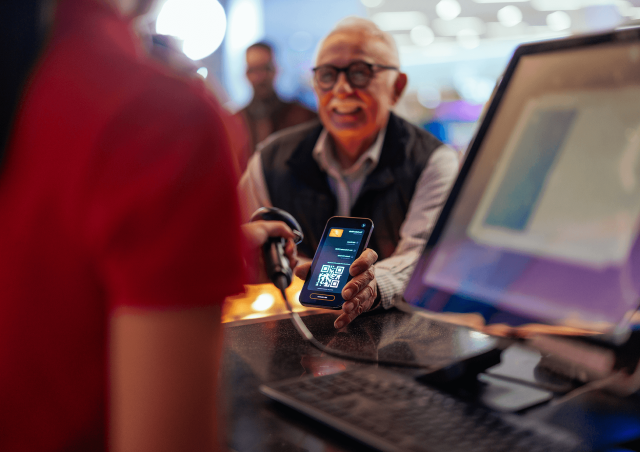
{"type": "Point", "coordinates": [393, 412]}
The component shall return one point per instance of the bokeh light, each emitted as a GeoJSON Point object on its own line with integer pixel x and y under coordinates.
{"type": "Point", "coordinates": [429, 96]}
{"type": "Point", "coordinates": [199, 24]}
{"type": "Point", "coordinates": [510, 16]}
{"type": "Point", "coordinates": [203, 72]}
{"type": "Point", "coordinates": [559, 21]}
{"type": "Point", "coordinates": [422, 35]}
{"type": "Point", "coordinates": [448, 9]}
{"type": "Point", "coordinates": [372, 3]}
{"type": "Point", "coordinates": [263, 302]}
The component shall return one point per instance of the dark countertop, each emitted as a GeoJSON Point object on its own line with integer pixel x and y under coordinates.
{"type": "Point", "coordinates": [268, 350]}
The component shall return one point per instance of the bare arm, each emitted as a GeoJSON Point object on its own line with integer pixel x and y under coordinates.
{"type": "Point", "coordinates": [164, 367]}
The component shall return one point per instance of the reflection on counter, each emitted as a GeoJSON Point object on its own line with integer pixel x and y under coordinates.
{"type": "Point", "coordinates": [262, 300]}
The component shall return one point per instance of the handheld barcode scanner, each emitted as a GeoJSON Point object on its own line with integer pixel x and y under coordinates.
{"type": "Point", "coordinates": [276, 263]}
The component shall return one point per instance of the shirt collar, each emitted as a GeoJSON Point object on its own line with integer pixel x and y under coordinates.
{"type": "Point", "coordinates": [324, 156]}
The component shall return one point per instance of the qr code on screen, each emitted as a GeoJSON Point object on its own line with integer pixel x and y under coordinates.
{"type": "Point", "coordinates": [329, 276]}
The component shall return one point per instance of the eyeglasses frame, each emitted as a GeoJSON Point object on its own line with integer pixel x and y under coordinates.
{"type": "Point", "coordinates": [373, 67]}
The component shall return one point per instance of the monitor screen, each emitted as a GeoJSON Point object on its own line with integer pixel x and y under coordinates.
{"type": "Point", "coordinates": [542, 225]}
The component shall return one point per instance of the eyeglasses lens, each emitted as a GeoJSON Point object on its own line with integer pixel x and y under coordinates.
{"type": "Point", "coordinates": [358, 75]}
{"type": "Point", "coordinates": [326, 77]}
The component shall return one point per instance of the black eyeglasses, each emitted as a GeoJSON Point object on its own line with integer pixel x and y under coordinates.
{"type": "Point", "coordinates": [358, 74]}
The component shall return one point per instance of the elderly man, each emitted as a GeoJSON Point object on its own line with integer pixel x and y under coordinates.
{"type": "Point", "coordinates": [361, 161]}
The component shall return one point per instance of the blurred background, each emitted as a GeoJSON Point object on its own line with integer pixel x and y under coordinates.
{"type": "Point", "coordinates": [453, 51]}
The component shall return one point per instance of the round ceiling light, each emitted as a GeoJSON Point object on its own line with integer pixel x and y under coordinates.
{"type": "Point", "coordinates": [448, 9]}
{"type": "Point", "coordinates": [510, 16]}
{"type": "Point", "coordinates": [199, 24]}
{"type": "Point", "coordinates": [559, 21]}
{"type": "Point", "coordinates": [422, 35]}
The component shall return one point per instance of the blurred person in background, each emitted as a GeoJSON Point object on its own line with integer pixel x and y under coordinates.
{"type": "Point", "coordinates": [361, 160]}
{"type": "Point", "coordinates": [119, 237]}
{"type": "Point", "coordinates": [267, 113]}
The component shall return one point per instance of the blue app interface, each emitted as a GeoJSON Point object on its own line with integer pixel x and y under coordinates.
{"type": "Point", "coordinates": [339, 251]}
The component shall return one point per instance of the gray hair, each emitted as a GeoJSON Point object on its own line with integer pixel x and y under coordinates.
{"type": "Point", "coordinates": [354, 23]}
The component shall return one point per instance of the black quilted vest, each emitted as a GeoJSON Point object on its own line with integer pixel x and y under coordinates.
{"type": "Point", "coordinates": [298, 185]}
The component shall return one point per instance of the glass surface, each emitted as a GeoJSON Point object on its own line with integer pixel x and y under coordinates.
{"type": "Point", "coordinates": [545, 227]}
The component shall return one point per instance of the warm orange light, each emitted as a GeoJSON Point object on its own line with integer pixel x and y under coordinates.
{"type": "Point", "coordinates": [336, 233]}
{"type": "Point", "coordinates": [241, 307]}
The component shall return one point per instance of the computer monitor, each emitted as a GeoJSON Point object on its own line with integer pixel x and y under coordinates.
{"type": "Point", "coordinates": [542, 223]}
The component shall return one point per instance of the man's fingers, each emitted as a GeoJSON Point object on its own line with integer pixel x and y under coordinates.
{"type": "Point", "coordinates": [347, 317]}
{"type": "Point", "coordinates": [365, 297]}
{"type": "Point", "coordinates": [364, 262]}
{"type": "Point", "coordinates": [362, 302]}
{"type": "Point", "coordinates": [302, 270]}
{"type": "Point", "coordinates": [358, 283]}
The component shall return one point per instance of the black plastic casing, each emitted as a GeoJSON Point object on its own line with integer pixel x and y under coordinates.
{"type": "Point", "coordinates": [341, 223]}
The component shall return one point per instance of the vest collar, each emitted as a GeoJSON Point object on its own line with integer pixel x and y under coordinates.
{"type": "Point", "coordinates": [393, 153]}
{"type": "Point", "coordinates": [304, 165]}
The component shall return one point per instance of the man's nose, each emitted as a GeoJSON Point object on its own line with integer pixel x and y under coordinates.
{"type": "Point", "coordinates": [342, 84]}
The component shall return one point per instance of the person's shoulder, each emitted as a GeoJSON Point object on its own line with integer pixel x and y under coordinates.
{"type": "Point", "coordinates": [300, 110]}
{"type": "Point", "coordinates": [290, 136]}
{"type": "Point", "coordinates": [418, 139]}
{"type": "Point", "coordinates": [281, 146]}
{"type": "Point", "coordinates": [174, 98]}
{"type": "Point", "coordinates": [292, 114]}
{"type": "Point", "coordinates": [409, 127]}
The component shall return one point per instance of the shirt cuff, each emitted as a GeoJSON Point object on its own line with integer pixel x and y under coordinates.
{"type": "Point", "coordinates": [388, 286]}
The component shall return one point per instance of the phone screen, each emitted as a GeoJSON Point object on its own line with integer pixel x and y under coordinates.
{"type": "Point", "coordinates": [342, 242]}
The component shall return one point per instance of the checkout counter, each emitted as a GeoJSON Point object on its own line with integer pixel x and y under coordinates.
{"type": "Point", "coordinates": [269, 349]}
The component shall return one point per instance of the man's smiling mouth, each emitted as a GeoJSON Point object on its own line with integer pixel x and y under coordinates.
{"type": "Point", "coordinates": [346, 110]}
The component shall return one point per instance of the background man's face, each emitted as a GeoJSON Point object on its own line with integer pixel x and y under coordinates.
{"type": "Point", "coordinates": [350, 113]}
{"type": "Point", "coordinates": [260, 72]}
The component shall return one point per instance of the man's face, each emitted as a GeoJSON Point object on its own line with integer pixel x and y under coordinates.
{"type": "Point", "coordinates": [350, 113]}
{"type": "Point", "coordinates": [260, 72]}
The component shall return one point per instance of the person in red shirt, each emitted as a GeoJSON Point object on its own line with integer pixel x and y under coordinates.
{"type": "Point", "coordinates": [119, 240]}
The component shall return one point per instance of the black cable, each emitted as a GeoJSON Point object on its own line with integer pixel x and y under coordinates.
{"type": "Point", "coordinates": [281, 283]}
{"type": "Point", "coordinates": [302, 329]}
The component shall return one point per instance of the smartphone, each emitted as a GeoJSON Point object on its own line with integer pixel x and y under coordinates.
{"type": "Point", "coordinates": [343, 240]}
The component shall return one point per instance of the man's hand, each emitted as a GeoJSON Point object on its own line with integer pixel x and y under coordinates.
{"type": "Point", "coordinates": [360, 292]}
{"type": "Point", "coordinates": [256, 233]}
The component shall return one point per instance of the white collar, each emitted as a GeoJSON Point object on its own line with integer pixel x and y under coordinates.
{"type": "Point", "coordinates": [323, 155]}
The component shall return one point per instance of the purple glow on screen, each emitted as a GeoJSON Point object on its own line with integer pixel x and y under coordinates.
{"type": "Point", "coordinates": [539, 288]}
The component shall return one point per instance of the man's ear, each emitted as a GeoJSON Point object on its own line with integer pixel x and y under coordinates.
{"type": "Point", "coordinates": [398, 86]}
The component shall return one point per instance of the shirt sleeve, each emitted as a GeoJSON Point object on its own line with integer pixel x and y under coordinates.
{"type": "Point", "coordinates": [163, 224]}
{"type": "Point", "coordinates": [252, 189]}
{"type": "Point", "coordinates": [393, 273]}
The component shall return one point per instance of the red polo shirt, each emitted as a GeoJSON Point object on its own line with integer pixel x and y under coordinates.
{"type": "Point", "coordinates": [117, 190]}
